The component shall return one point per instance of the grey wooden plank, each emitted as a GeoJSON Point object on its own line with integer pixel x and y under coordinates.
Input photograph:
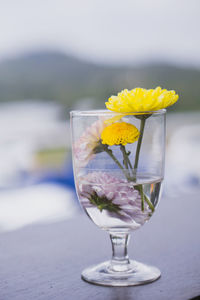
{"type": "Point", "coordinates": [45, 261]}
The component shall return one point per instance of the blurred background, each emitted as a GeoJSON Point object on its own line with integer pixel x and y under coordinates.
{"type": "Point", "coordinates": [60, 55]}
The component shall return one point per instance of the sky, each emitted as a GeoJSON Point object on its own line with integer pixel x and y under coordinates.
{"type": "Point", "coordinates": [105, 31]}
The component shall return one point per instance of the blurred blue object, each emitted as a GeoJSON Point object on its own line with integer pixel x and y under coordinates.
{"type": "Point", "coordinates": [193, 181]}
{"type": "Point", "coordinates": [66, 178]}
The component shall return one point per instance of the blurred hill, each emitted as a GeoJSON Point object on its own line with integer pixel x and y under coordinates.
{"type": "Point", "coordinates": [56, 76]}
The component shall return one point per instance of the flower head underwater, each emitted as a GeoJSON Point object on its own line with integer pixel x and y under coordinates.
{"type": "Point", "coordinates": [121, 133]}
{"type": "Point", "coordinates": [117, 192]}
{"type": "Point", "coordinates": [141, 100]}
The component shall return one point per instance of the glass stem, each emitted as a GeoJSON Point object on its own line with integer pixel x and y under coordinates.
{"type": "Point", "coordinates": [120, 261]}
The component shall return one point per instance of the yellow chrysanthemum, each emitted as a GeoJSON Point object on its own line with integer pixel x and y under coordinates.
{"type": "Point", "coordinates": [141, 100]}
{"type": "Point", "coordinates": [119, 134]}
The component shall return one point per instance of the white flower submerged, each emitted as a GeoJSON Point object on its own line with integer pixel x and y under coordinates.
{"type": "Point", "coordinates": [117, 197]}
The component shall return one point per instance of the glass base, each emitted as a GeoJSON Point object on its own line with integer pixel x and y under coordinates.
{"type": "Point", "coordinates": [137, 274]}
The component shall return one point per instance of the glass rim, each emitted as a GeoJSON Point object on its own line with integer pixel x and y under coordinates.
{"type": "Point", "coordinates": [98, 112]}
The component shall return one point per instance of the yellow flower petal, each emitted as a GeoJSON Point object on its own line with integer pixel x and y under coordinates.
{"type": "Point", "coordinates": [114, 119]}
{"type": "Point", "coordinates": [141, 100]}
{"type": "Point", "coordinates": [119, 134]}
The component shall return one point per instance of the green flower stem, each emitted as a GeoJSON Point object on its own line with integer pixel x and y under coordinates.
{"type": "Point", "coordinates": [130, 165]}
{"type": "Point", "coordinates": [139, 188]}
{"type": "Point", "coordinates": [122, 148]}
{"type": "Point", "coordinates": [149, 203]}
{"type": "Point", "coordinates": [127, 163]}
{"type": "Point", "coordinates": [142, 124]}
{"type": "Point", "coordinates": [110, 153]}
{"type": "Point", "coordinates": [126, 159]}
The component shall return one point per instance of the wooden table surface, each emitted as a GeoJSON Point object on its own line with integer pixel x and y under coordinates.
{"type": "Point", "coordinates": [45, 261]}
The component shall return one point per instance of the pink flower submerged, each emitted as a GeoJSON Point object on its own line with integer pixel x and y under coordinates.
{"type": "Point", "coordinates": [84, 148]}
{"type": "Point", "coordinates": [116, 196]}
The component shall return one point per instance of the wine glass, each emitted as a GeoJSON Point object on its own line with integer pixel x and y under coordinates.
{"type": "Point", "coordinates": [118, 163]}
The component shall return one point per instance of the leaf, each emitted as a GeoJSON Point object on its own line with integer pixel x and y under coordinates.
{"type": "Point", "coordinates": [103, 203]}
